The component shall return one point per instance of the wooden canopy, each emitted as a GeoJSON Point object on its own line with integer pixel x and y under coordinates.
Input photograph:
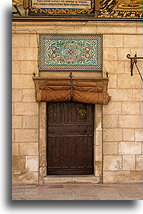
{"type": "Point", "coordinates": [92, 91]}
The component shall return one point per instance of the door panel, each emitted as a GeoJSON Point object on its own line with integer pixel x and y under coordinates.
{"type": "Point", "coordinates": [70, 138]}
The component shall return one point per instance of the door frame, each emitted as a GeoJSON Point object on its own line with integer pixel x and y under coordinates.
{"type": "Point", "coordinates": [43, 178]}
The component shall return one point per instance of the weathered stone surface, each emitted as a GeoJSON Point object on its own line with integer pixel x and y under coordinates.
{"type": "Point", "coordinates": [128, 162]}
{"type": "Point", "coordinates": [113, 41]}
{"type": "Point", "coordinates": [16, 67]}
{"type": "Point", "coordinates": [25, 109]}
{"type": "Point", "coordinates": [110, 54]}
{"type": "Point", "coordinates": [122, 177]}
{"type": "Point", "coordinates": [110, 121]}
{"type": "Point", "coordinates": [110, 148]}
{"type": "Point", "coordinates": [138, 134]}
{"type": "Point", "coordinates": [133, 41]}
{"type": "Point", "coordinates": [28, 148]}
{"type": "Point", "coordinates": [29, 67]}
{"type": "Point", "coordinates": [129, 134]}
{"type": "Point", "coordinates": [113, 67]}
{"type": "Point", "coordinates": [26, 135]}
{"type": "Point", "coordinates": [18, 164]}
{"type": "Point", "coordinates": [30, 122]}
{"type": "Point", "coordinates": [139, 162]}
{"type": "Point", "coordinates": [112, 134]}
{"type": "Point", "coordinates": [15, 149]}
{"type": "Point", "coordinates": [25, 54]}
{"type": "Point", "coordinates": [138, 95]}
{"type": "Point", "coordinates": [20, 40]}
{"type": "Point", "coordinates": [17, 121]}
{"type": "Point", "coordinates": [32, 163]}
{"type": "Point", "coordinates": [112, 108]}
{"type": "Point", "coordinates": [130, 121]}
{"type": "Point", "coordinates": [130, 108]}
{"type": "Point", "coordinates": [120, 94]}
{"type": "Point", "coordinates": [28, 95]}
{"type": "Point", "coordinates": [130, 148]}
{"type": "Point", "coordinates": [16, 95]}
{"type": "Point", "coordinates": [112, 162]}
{"type": "Point", "coordinates": [25, 178]}
{"type": "Point", "coordinates": [112, 81]}
{"type": "Point", "coordinates": [22, 81]}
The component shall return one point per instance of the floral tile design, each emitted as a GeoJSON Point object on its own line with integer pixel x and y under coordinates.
{"type": "Point", "coordinates": [70, 52]}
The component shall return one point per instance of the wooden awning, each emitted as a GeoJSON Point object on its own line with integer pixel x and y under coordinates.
{"type": "Point", "coordinates": [92, 91]}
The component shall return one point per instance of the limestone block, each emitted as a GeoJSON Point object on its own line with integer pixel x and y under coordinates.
{"type": "Point", "coordinates": [130, 121]}
{"type": "Point", "coordinates": [32, 163]}
{"type": "Point", "coordinates": [112, 81]}
{"type": "Point", "coordinates": [20, 40]}
{"type": "Point", "coordinates": [138, 134]}
{"type": "Point", "coordinates": [139, 162]}
{"type": "Point", "coordinates": [122, 53]}
{"type": "Point", "coordinates": [18, 164]}
{"type": "Point", "coordinates": [122, 177]}
{"type": "Point", "coordinates": [120, 94]}
{"type": "Point", "coordinates": [16, 67]}
{"type": "Point", "coordinates": [16, 121]}
{"type": "Point", "coordinates": [22, 81]}
{"type": "Point", "coordinates": [133, 41]}
{"type": "Point", "coordinates": [114, 67]}
{"type": "Point", "coordinates": [30, 122]}
{"type": "Point", "coordinates": [98, 153]}
{"type": "Point", "coordinates": [28, 149]}
{"type": "Point", "coordinates": [112, 108]}
{"type": "Point", "coordinates": [130, 148]}
{"type": "Point", "coordinates": [128, 134]}
{"type": "Point", "coordinates": [130, 108]}
{"type": "Point", "coordinates": [128, 162]}
{"type": "Point", "coordinates": [111, 162]}
{"type": "Point", "coordinates": [28, 95]}
{"type": "Point", "coordinates": [110, 121]}
{"type": "Point", "coordinates": [110, 54]}
{"type": "Point", "coordinates": [34, 40]}
{"type": "Point", "coordinates": [15, 149]}
{"type": "Point", "coordinates": [113, 41]}
{"type": "Point", "coordinates": [25, 54]}
{"type": "Point", "coordinates": [25, 178]}
{"type": "Point", "coordinates": [26, 135]}
{"type": "Point", "coordinates": [110, 148]}
{"type": "Point", "coordinates": [137, 95]}
{"type": "Point", "coordinates": [124, 81]}
{"type": "Point", "coordinates": [98, 110]}
{"type": "Point", "coordinates": [16, 95]}
{"type": "Point", "coordinates": [29, 67]}
{"type": "Point", "coordinates": [139, 52]}
{"type": "Point", "coordinates": [25, 109]}
{"type": "Point", "coordinates": [136, 82]}
{"type": "Point", "coordinates": [112, 134]}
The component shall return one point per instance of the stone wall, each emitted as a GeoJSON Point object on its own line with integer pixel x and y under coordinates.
{"type": "Point", "coordinates": [122, 117]}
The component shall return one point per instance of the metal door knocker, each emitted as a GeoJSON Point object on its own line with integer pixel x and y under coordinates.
{"type": "Point", "coordinates": [82, 113]}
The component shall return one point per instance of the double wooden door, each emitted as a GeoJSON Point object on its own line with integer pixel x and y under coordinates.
{"type": "Point", "coordinates": [70, 138]}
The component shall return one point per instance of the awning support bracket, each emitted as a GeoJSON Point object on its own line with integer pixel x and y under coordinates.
{"type": "Point", "coordinates": [134, 62]}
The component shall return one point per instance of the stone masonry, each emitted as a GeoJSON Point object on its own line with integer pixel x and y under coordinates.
{"type": "Point", "coordinates": [122, 118]}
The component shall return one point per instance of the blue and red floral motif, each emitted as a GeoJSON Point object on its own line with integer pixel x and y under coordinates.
{"type": "Point", "coordinates": [70, 52]}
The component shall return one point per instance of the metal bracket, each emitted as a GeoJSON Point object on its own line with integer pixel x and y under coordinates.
{"type": "Point", "coordinates": [134, 62]}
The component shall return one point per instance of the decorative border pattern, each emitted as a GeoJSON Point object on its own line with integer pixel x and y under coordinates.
{"type": "Point", "coordinates": [70, 52]}
{"type": "Point", "coordinates": [56, 11]}
{"type": "Point", "coordinates": [120, 9]}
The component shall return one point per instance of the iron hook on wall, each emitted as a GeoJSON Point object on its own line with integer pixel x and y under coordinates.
{"type": "Point", "coordinates": [134, 62]}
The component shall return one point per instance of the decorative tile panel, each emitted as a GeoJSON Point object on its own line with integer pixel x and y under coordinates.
{"type": "Point", "coordinates": [70, 52]}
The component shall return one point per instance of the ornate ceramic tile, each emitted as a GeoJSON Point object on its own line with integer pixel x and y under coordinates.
{"type": "Point", "coordinates": [70, 52]}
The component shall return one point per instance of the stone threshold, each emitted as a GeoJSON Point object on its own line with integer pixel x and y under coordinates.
{"type": "Point", "coordinates": [72, 179]}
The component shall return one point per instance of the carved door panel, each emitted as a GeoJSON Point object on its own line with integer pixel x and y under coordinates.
{"type": "Point", "coordinates": [70, 138]}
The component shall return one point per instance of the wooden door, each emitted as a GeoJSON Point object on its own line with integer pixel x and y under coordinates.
{"type": "Point", "coordinates": [70, 138]}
